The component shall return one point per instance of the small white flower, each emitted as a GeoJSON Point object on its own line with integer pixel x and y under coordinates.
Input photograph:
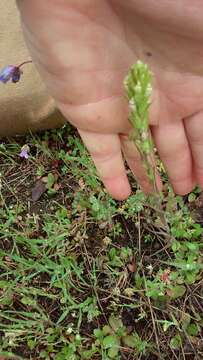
{"type": "Point", "coordinates": [132, 104]}
{"type": "Point", "coordinates": [150, 269]}
{"type": "Point", "coordinates": [138, 87]}
{"type": "Point", "coordinates": [69, 330]}
{"type": "Point", "coordinates": [148, 90]}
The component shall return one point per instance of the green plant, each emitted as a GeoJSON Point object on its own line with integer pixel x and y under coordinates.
{"type": "Point", "coordinates": [134, 204]}
{"type": "Point", "coordinates": [101, 206]}
{"type": "Point", "coordinates": [138, 86]}
{"type": "Point", "coordinates": [70, 262]}
{"type": "Point", "coordinates": [111, 338]}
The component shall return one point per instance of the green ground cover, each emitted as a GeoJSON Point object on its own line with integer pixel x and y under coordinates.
{"type": "Point", "coordinates": [85, 277]}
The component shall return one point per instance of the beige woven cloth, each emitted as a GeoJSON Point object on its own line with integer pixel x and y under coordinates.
{"type": "Point", "coordinates": [26, 105]}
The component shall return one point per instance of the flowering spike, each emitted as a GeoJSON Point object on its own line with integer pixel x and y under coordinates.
{"type": "Point", "coordinates": [138, 89]}
{"type": "Point", "coordinates": [138, 86]}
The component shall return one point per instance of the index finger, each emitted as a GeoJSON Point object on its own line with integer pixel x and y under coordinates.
{"type": "Point", "coordinates": [105, 150]}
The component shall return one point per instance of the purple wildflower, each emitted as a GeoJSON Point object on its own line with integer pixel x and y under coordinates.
{"type": "Point", "coordinates": [24, 152]}
{"type": "Point", "coordinates": [10, 72]}
{"type": "Point", "coordinates": [16, 75]}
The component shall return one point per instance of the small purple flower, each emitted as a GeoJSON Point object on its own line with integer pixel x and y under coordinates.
{"type": "Point", "coordinates": [16, 75]}
{"type": "Point", "coordinates": [24, 152]}
{"type": "Point", "coordinates": [10, 72]}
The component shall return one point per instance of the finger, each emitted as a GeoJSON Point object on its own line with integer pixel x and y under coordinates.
{"type": "Point", "coordinates": [172, 144]}
{"type": "Point", "coordinates": [105, 150]}
{"type": "Point", "coordinates": [133, 159]}
{"type": "Point", "coordinates": [194, 131]}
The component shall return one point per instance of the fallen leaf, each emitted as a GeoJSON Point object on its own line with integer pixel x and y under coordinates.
{"type": "Point", "coordinates": [132, 267]}
{"type": "Point", "coordinates": [165, 276]}
{"type": "Point", "coordinates": [81, 183]}
{"type": "Point", "coordinates": [38, 189]}
{"type": "Point", "coordinates": [57, 187]}
{"type": "Point", "coordinates": [55, 164]}
{"type": "Point", "coordinates": [44, 179]}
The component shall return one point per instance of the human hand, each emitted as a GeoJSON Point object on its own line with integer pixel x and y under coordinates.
{"type": "Point", "coordinates": [83, 50]}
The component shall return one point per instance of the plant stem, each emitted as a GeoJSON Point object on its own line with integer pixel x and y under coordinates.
{"type": "Point", "coordinates": [24, 63]}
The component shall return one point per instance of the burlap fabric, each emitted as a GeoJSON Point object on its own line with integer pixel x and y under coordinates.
{"type": "Point", "coordinates": [26, 105]}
